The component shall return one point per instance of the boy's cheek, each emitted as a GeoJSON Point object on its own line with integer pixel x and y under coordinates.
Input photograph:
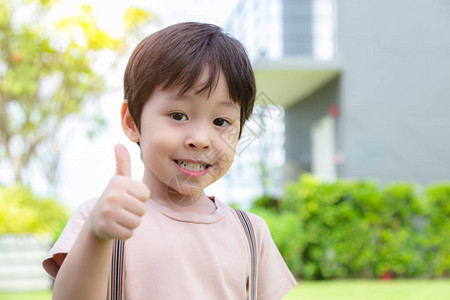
{"type": "Point", "coordinates": [161, 141]}
{"type": "Point", "coordinates": [230, 136]}
{"type": "Point", "coordinates": [224, 163]}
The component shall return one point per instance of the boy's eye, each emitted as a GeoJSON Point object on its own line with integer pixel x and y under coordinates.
{"type": "Point", "coordinates": [221, 122]}
{"type": "Point", "coordinates": [178, 116]}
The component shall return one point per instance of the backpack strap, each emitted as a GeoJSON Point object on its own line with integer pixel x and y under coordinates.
{"type": "Point", "coordinates": [252, 247]}
{"type": "Point", "coordinates": [116, 282]}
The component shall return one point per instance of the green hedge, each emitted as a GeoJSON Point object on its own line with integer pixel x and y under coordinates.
{"type": "Point", "coordinates": [356, 229]}
{"type": "Point", "coordinates": [438, 229]}
{"type": "Point", "coordinates": [23, 212]}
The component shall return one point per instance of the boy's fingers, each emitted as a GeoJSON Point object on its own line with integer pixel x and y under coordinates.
{"type": "Point", "coordinates": [138, 190]}
{"type": "Point", "coordinates": [122, 161]}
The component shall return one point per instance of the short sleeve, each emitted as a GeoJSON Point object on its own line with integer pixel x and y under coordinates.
{"type": "Point", "coordinates": [274, 278]}
{"type": "Point", "coordinates": [55, 257]}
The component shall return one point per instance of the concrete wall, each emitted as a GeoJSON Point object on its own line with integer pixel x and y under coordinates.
{"type": "Point", "coordinates": [299, 119]}
{"type": "Point", "coordinates": [395, 89]}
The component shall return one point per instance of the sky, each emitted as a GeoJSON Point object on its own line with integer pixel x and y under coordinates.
{"type": "Point", "coordinates": [87, 165]}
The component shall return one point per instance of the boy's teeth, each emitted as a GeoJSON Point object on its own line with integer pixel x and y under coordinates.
{"type": "Point", "coordinates": [191, 166]}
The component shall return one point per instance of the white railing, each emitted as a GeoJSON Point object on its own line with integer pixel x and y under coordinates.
{"type": "Point", "coordinates": [21, 263]}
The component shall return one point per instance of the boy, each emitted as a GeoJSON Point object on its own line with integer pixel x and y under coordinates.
{"type": "Point", "coordinates": [188, 90]}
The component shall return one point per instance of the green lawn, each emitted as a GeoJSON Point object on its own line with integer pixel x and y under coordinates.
{"type": "Point", "coordinates": [371, 290]}
{"type": "Point", "coordinates": [334, 290]}
{"type": "Point", "coordinates": [26, 296]}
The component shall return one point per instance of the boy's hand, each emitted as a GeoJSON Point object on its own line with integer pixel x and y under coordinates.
{"type": "Point", "coordinates": [119, 209]}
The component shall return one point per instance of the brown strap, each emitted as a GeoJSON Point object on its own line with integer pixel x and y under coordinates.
{"type": "Point", "coordinates": [116, 283]}
{"type": "Point", "coordinates": [252, 247]}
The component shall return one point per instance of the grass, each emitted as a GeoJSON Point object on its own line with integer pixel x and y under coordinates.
{"type": "Point", "coordinates": [413, 289]}
{"type": "Point", "coordinates": [43, 295]}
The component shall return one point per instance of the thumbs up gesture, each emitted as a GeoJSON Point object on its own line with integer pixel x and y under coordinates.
{"type": "Point", "coordinates": [119, 209]}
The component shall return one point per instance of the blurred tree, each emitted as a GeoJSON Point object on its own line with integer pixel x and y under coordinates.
{"type": "Point", "coordinates": [49, 71]}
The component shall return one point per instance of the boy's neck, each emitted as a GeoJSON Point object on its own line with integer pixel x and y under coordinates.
{"type": "Point", "coordinates": [203, 205]}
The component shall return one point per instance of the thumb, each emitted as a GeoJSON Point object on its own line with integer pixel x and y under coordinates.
{"type": "Point", "coordinates": [122, 161]}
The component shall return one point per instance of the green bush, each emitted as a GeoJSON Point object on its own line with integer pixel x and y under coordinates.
{"type": "Point", "coordinates": [338, 240]}
{"type": "Point", "coordinates": [399, 235]}
{"type": "Point", "coordinates": [285, 233]}
{"type": "Point", "coordinates": [438, 229]}
{"type": "Point", "coordinates": [265, 202]}
{"type": "Point", "coordinates": [23, 212]}
{"type": "Point", "coordinates": [355, 229]}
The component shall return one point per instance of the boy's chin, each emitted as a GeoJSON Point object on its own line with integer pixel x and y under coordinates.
{"type": "Point", "coordinates": [186, 193]}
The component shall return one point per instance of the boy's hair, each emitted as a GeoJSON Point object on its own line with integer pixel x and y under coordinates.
{"type": "Point", "coordinates": [176, 56]}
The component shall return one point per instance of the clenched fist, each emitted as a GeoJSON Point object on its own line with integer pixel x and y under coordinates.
{"type": "Point", "coordinates": [119, 209]}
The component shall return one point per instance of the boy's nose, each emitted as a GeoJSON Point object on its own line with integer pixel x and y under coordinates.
{"type": "Point", "coordinates": [198, 141]}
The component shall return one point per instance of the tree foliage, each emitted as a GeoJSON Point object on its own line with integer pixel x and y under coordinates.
{"type": "Point", "coordinates": [48, 73]}
{"type": "Point", "coordinates": [23, 212]}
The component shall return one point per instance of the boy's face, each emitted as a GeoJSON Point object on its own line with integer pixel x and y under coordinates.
{"type": "Point", "coordinates": [188, 141]}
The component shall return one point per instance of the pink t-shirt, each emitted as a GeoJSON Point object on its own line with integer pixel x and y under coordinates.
{"type": "Point", "coordinates": [175, 255]}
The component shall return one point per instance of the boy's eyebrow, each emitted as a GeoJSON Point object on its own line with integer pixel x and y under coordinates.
{"type": "Point", "coordinates": [227, 103]}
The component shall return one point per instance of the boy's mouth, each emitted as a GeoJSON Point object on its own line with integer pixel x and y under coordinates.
{"type": "Point", "coordinates": [191, 166]}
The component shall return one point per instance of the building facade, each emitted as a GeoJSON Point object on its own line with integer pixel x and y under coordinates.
{"type": "Point", "coordinates": [364, 86]}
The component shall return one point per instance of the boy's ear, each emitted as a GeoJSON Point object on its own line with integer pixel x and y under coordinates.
{"type": "Point", "coordinates": [128, 124]}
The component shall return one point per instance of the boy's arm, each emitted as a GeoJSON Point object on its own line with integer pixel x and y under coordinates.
{"type": "Point", "coordinates": [84, 273]}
